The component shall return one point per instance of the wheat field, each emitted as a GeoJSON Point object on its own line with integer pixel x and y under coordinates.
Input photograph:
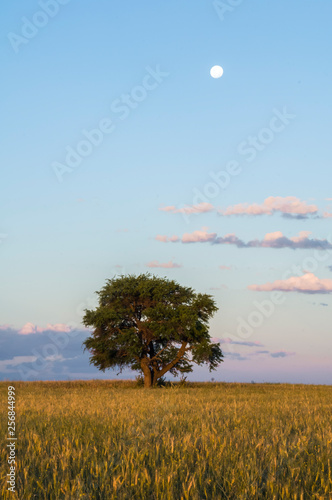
{"type": "Point", "coordinates": [115, 440]}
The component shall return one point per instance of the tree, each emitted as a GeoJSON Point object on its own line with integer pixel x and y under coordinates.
{"type": "Point", "coordinates": [152, 325]}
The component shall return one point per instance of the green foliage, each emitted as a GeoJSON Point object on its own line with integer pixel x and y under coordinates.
{"type": "Point", "coordinates": [111, 440]}
{"type": "Point", "coordinates": [153, 325]}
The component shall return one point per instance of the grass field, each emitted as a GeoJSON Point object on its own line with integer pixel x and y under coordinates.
{"type": "Point", "coordinates": [112, 440]}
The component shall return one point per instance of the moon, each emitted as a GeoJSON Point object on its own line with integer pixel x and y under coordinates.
{"type": "Point", "coordinates": [216, 71]}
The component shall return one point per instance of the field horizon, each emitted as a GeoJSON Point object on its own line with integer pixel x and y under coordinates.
{"type": "Point", "coordinates": [133, 383]}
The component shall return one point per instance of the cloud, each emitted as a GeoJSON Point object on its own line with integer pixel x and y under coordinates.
{"type": "Point", "coordinates": [47, 355]}
{"type": "Point", "coordinates": [162, 238]}
{"type": "Point", "coordinates": [270, 240]}
{"type": "Point", "coordinates": [225, 268]}
{"type": "Point", "coordinates": [30, 328]}
{"type": "Point", "coordinates": [15, 361]}
{"type": "Point", "coordinates": [288, 206]}
{"type": "Point", "coordinates": [235, 356]}
{"type": "Point", "coordinates": [169, 208]}
{"type": "Point", "coordinates": [189, 209]}
{"type": "Point", "coordinates": [167, 265]}
{"type": "Point", "coordinates": [166, 239]}
{"type": "Point", "coordinates": [276, 240]}
{"type": "Point", "coordinates": [277, 354]}
{"type": "Point", "coordinates": [248, 355]}
{"type": "Point", "coordinates": [323, 304]}
{"type": "Point", "coordinates": [308, 283]}
{"type": "Point", "coordinates": [281, 354]}
{"type": "Point", "coordinates": [229, 239]}
{"type": "Point", "coordinates": [329, 267]}
{"type": "Point", "coordinates": [237, 342]}
{"type": "Point", "coordinates": [13, 343]}
{"type": "Point", "coordinates": [198, 236]}
{"type": "Point", "coordinates": [299, 217]}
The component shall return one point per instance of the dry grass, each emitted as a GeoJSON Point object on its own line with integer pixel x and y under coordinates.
{"type": "Point", "coordinates": [110, 440]}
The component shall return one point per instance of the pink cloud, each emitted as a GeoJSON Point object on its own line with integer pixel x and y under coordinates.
{"type": "Point", "coordinates": [198, 236]}
{"type": "Point", "coordinates": [272, 237]}
{"type": "Point", "coordinates": [225, 268]}
{"type": "Point", "coordinates": [5, 327]}
{"type": "Point", "coordinates": [308, 283]}
{"type": "Point", "coordinates": [276, 240]}
{"type": "Point", "coordinates": [189, 209]}
{"type": "Point", "coordinates": [245, 209]}
{"type": "Point", "coordinates": [170, 208]}
{"type": "Point", "coordinates": [288, 205]}
{"type": "Point", "coordinates": [327, 215]}
{"type": "Point", "coordinates": [162, 238]}
{"type": "Point", "coordinates": [167, 265]}
{"type": "Point", "coordinates": [58, 327]}
{"type": "Point", "coordinates": [30, 328]}
{"type": "Point", "coordinates": [166, 239]}
{"type": "Point", "coordinates": [270, 240]}
{"type": "Point", "coordinates": [303, 235]}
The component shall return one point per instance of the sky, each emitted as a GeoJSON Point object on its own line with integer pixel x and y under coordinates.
{"type": "Point", "coordinates": [121, 155]}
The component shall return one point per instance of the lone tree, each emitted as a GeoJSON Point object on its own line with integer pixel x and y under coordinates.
{"type": "Point", "coordinates": [152, 325]}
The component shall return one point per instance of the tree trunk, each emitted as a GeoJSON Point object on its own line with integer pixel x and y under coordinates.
{"type": "Point", "coordinates": [149, 379]}
{"type": "Point", "coordinates": [153, 377]}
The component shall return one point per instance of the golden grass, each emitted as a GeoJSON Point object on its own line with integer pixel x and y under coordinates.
{"type": "Point", "coordinates": [112, 440]}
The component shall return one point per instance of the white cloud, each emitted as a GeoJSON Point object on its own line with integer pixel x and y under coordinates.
{"type": "Point", "coordinates": [308, 283]}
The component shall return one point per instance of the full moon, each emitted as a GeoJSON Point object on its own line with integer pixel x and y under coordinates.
{"type": "Point", "coordinates": [216, 71]}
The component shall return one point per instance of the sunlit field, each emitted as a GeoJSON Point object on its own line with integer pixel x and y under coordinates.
{"type": "Point", "coordinates": [114, 440]}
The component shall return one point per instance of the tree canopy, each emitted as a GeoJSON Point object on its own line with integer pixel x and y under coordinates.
{"type": "Point", "coordinates": [152, 325]}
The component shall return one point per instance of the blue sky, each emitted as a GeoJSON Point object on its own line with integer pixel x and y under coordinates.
{"type": "Point", "coordinates": [140, 73]}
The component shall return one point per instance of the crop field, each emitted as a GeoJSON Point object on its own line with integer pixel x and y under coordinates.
{"type": "Point", "coordinates": [115, 440]}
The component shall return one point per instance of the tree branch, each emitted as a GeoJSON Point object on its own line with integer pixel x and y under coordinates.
{"type": "Point", "coordinates": [170, 365]}
{"type": "Point", "coordinates": [161, 350]}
